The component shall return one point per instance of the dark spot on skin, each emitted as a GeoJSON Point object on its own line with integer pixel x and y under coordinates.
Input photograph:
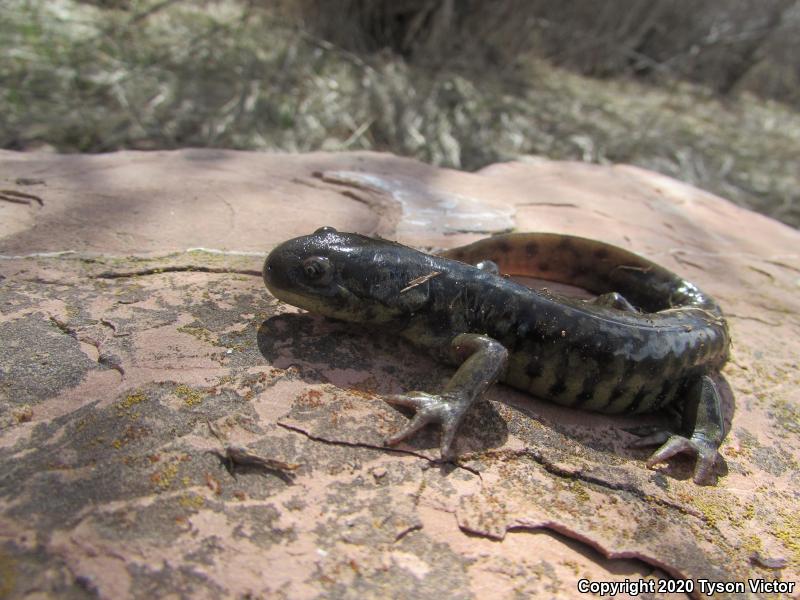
{"type": "Point", "coordinates": [504, 247]}
{"type": "Point", "coordinates": [605, 360]}
{"type": "Point", "coordinates": [583, 398]}
{"type": "Point", "coordinates": [587, 391]}
{"type": "Point", "coordinates": [534, 370]}
{"type": "Point", "coordinates": [558, 388]}
{"type": "Point", "coordinates": [616, 393]}
{"type": "Point", "coordinates": [565, 245]}
{"type": "Point", "coordinates": [601, 253]}
{"type": "Point", "coordinates": [665, 394]}
{"type": "Point", "coordinates": [531, 248]}
{"type": "Point", "coordinates": [637, 400]}
{"type": "Point", "coordinates": [562, 373]}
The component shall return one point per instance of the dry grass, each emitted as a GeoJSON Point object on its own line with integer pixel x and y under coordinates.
{"type": "Point", "coordinates": [229, 74]}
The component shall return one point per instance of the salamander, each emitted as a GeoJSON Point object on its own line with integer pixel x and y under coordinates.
{"type": "Point", "coordinates": [647, 341]}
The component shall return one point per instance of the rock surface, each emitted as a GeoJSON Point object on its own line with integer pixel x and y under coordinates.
{"type": "Point", "coordinates": [139, 344]}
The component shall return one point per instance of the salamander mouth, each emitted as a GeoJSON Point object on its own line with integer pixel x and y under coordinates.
{"type": "Point", "coordinates": [276, 272]}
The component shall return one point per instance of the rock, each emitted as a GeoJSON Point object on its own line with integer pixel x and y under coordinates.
{"type": "Point", "coordinates": [140, 347]}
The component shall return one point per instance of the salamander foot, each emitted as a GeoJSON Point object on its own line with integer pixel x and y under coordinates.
{"type": "Point", "coordinates": [703, 418]}
{"type": "Point", "coordinates": [482, 361]}
{"type": "Point", "coordinates": [706, 452]}
{"type": "Point", "coordinates": [447, 410]}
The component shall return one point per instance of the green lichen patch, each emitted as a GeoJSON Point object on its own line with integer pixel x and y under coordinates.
{"type": "Point", "coordinates": [190, 396]}
{"type": "Point", "coordinates": [786, 415]}
{"type": "Point", "coordinates": [200, 332]}
{"type": "Point", "coordinates": [173, 472]}
{"type": "Point", "coordinates": [716, 506]}
{"type": "Point", "coordinates": [131, 400]}
{"type": "Point", "coordinates": [192, 501]}
{"type": "Point", "coordinates": [787, 530]}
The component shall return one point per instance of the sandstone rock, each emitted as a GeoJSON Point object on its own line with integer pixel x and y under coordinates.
{"type": "Point", "coordinates": [139, 342]}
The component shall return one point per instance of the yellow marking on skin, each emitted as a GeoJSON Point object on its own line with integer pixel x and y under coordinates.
{"type": "Point", "coordinates": [647, 402]}
{"type": "Point", "coordinates": [541, 385]}
{"type": "Point", "coordinates": [516, 373]}
{"type": "Point", "coordinates": [633, 383]}
{"type": "Point", "coordinates": [578, 370]}
{"type": "Point", "coordinates": [601, 394]}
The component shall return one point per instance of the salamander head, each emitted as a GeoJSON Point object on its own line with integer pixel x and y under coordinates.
{"type": "Point", "coordinates": [346, 276]}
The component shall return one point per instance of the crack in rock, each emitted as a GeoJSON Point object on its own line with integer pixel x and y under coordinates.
{"type": "Point", "coordinates": [174, 269]}
{"type": "Point", "coordinates": [351, 444]}
{"type": "Point", "coordinates": [553, 469]}
{"type": "Point", "coordinates": [595, 546]}
{"type": "Point", "coordinates": [383, 449]}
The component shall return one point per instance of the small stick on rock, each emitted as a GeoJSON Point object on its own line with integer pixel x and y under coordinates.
{"type": "Point", "coordinates": [234, 456]}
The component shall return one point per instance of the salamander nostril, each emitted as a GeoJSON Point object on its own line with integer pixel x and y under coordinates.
{"type": "Point", "coordinates": [271, 269]}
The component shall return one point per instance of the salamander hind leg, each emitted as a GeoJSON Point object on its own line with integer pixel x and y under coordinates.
{"type": "Point", "coordinates": [708, 432]}
{"type": "Point", "coordinates": [484, 360]}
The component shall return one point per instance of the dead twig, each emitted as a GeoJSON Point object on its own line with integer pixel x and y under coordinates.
{"type": "Point", "coordinates": [420, 280]}
{"type": "Point", "coordinates": [237, 456]}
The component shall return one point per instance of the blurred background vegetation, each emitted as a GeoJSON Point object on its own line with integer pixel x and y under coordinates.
{"type": "Point", "coordinates": [707, 92]}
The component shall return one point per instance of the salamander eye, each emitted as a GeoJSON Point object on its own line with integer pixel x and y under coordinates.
{"type": "Point", "coordinates": [326, 229]}
{"type": "Point", "coordinates": [318, 270]}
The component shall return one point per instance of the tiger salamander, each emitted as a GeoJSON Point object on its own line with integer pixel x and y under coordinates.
{"type": "Point", "coordinates": [649, 340]}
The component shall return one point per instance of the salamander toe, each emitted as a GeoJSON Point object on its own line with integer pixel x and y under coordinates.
{"type": "Point", "coordinates": [706, 452]}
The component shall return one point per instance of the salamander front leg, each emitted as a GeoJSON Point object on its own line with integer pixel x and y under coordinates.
{"type": "Point", "coordinates": [484, 360]}
{"type": "Point", "coordinates": [708, 431]}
